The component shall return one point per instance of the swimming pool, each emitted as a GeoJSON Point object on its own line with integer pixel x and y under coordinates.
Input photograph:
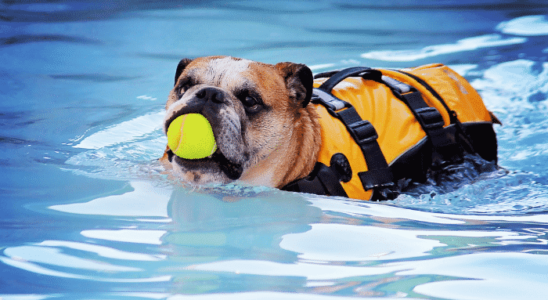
{"type": "Point", "coordinates": [86, 212]}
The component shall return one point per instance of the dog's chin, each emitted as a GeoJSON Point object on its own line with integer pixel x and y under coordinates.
{"type": "Point", "coordinates": [213, 169]}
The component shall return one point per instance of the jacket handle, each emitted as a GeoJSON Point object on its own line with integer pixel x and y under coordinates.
{"type": "Point", "coordinates": [364, 72]}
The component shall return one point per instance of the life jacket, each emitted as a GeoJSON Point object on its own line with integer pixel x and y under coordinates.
{"type": "Point", "coordinates": [379, 126]}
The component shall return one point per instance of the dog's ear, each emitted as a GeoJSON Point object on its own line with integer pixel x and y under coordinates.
{"type": "Point", "coordinates": [299, 80]}
{"type": "Point", "coordinates": [181, 67]}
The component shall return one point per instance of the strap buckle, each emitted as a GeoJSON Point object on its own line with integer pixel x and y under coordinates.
{"type": "Point", "coordinates": [396, 85]}
{"type": "Point", "coordinates": [363, 132]}
{"type": "Point", "coordinates": [431, 117]}
{"type": "Point", "coordinates": [330, 102]}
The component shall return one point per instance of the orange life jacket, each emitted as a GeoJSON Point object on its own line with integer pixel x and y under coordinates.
{"type": "Point", "coordinates": [379, 126]}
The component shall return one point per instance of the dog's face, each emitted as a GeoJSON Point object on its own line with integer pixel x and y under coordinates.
{"type": "Point", "coordinates": [252, 108]}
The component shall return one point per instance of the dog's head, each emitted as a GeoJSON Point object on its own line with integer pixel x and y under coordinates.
{"type": "Point", "coordinates": [257, 112]}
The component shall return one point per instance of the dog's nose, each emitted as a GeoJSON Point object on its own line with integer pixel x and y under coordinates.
{"type": "Point", "coordinates": [209, 93]}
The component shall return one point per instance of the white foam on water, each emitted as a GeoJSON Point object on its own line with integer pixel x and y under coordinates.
{"type": "Point", "coordinates": [463, 69]}
{"type": "Point", "coordinates": [515, 81]}
{"type": "Point", "coordinates": [23, 297]}
{"type": "Point", "coordinates": [528, 26]}
{"type": "Point", "coordinates": [164, 278]}
{"type": "Point", "coordinates": [124, 132]}
{"type": "Point", "coordinates": [140, 236]}
{"type": "Point", "coordinates": [148, 98]}
{"type": "Point", "coordinates": [142, 295]}
{"type": "Point", "coordinates": [468, 44]}
{"type": "Point", "coordinates": [146, 200]}
{"type": "Point", "coordinates": [320, 66]}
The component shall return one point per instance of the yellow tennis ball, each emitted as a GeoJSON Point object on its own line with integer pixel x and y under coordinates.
{"type": "Point", "coordinates": [190, 137]}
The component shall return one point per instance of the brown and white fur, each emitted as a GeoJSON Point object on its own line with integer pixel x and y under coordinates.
{"type": "Point", "coordinates": [265, 133]}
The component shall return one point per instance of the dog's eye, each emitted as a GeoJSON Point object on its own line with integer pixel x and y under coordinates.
{"type": "Point", "coordinates": [249, 101]}
{"type": "Point", "coordinates": [183, 87]}
{"type": "Point", "coordinates": [252, 105]}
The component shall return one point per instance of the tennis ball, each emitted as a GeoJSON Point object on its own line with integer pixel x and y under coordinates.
{"type": "Point", "coordinates": [190, 137]}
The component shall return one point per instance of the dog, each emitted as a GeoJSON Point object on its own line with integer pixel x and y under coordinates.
{"type": "Point", "coordinates": [266, 134]}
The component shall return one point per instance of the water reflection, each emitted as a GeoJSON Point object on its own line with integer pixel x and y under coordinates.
{"type": "Point", "coordinates": [196, 240]}
{"type": "Point", "coordinates": [187, 227]}
{"type": "Point", "coordinates": [385, 253]}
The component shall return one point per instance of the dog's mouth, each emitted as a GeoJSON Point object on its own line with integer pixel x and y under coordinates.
{"type": "Point", "coordinates": [218, 162]}
{"type": "Point", "coordinates": [232, 170]}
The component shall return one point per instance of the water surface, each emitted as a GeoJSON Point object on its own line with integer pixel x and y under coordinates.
{"type": "Point", "coordinates": [87, 212]}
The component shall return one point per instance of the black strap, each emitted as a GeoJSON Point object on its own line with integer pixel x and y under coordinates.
{"type": "Point", "coordinates": [365, 135]}
{"type": "Point", "coordinates": [330, 83]}
{"type": "Point", "coordinates": [465, 139]}
{"type": "Point", "coordinates": [452, 114]}
{"type": "Point", "coordinates": [379, 175]}
{"type": "Point", "coordinates": [444, 143]}
{"type": "Point", "coordinates": [446, 147]}
{"type": "Point", "coordinates": [362, 131]}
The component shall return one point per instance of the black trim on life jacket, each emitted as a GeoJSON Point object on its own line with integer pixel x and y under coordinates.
{"type": "Point", "coordinates": [321, 181]}
{"type": "Point", "coordinates": [415, 163]}
{"type": "Point", "coordinates": [483, 137]}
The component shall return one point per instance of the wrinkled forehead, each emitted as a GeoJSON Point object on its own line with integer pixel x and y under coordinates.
{"type": "Point", "coordinates": [224, 72]}
{"type": "Point", "coordinates": [230, 73]}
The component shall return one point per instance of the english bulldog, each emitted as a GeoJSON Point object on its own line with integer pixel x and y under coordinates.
{"type": "Point", "coordinates": [265, 133]}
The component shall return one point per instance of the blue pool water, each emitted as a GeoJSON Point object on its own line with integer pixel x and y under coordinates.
{"type": "Point", "coordinates": [86, 211]}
